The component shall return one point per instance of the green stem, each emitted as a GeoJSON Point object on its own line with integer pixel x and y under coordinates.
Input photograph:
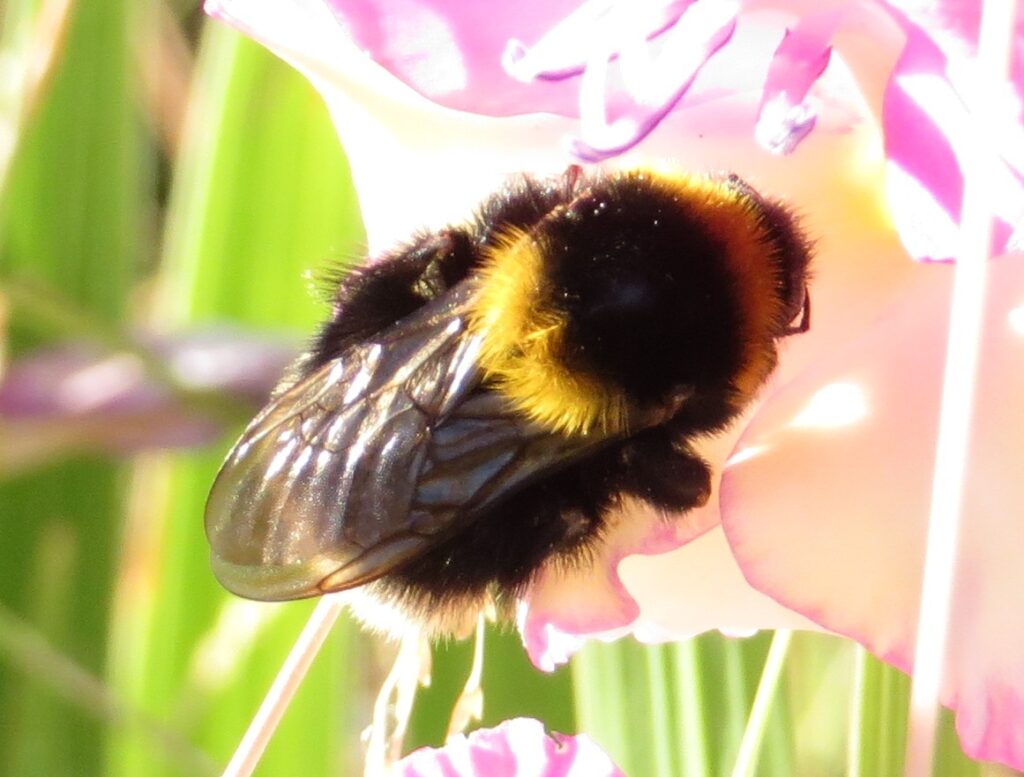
{"type": "Point", "coordinates": [858, 707]}
{"type": "Point", "coordinates": [692, 703]}
{"type": "Point", "coordinates": [750, 746]}
{"type": "Point", "coordinates": [27, 650]}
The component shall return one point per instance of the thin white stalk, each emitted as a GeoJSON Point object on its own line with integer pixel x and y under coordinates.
{"type": "Point", "coordinates": [965, 334]}
{"type": "Point", "coordinates": [753, 734]}
{"type": "Point", "coordinates": [855, 731]}
{"type": "Point", "coordinates": [287, 682]}
{"type": "Point", "coordinates": [391, 711]}
{"type": "Point", "coordinates": [469, 706]}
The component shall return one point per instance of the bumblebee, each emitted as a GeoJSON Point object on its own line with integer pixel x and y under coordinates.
{"type": "Point", "coordinates": [483, 397]}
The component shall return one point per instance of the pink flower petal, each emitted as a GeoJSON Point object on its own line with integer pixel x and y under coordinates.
{"type": "Point", "coordinates": [78, 397]}
{"type": "Point", "coordinates": [451, 51]}
{"type": "Point", "coordinates": [932, 131]}
{"type": "Point", "coordinates": [391, 131]}
{"type": "Point", "coordinates": [954, 24]}
{"type": "Point", "coordinates": [565, 48]}
{"type": "Point", "coordinates": [620, 67]}
{"type": "Point", "coordinates": [566, 602]}
{"type": "Point", "coordinates": [802, 56]}
{"type": "Point", "coordinates": [517, 748]}
{"type": "Point", "coordinates": [712, 594]}
{"type": "Point", "coordinates": [658, 81]}
{"type": "Point", "coordinates": [561, 614]}
{"type": "Point", "coordinates": [504, 59]}
{"type": "Point", "coordinates": [785, 116]}
{"type": "Point", "coordinates": [826, 500]}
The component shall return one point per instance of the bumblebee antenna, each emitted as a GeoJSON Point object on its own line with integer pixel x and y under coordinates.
{"type": "Point", "coordinates": [805, 318]}
{"type": "Point", "coordinates": [571, 177]}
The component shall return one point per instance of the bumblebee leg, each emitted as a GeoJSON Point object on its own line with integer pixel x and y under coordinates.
{"type": "Point", "coordinates": [667, 474]}
{"type": "Point", "coordinates": [470, 704]}
{"type": "Point", "coordinates": [393, 707]}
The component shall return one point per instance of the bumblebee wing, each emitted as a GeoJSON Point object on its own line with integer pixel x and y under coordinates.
{"type": "Point", "coordinates": [363, 463]}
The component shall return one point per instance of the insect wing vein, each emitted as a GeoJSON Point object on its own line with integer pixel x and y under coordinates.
{"type": "Point", "coordinates": [324, 478]}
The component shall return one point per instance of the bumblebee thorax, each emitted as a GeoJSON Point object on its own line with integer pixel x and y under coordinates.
{"type": "Point", "coordinates": [640, 288]}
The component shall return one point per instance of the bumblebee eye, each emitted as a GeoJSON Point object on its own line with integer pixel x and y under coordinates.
{"type": "Point", "coordinates": [805, 316]}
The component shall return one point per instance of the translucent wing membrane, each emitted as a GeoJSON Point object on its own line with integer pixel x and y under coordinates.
{"type": "Point", "coordinates": [367, 461]}
{"type": "Point", "coordinates": [323, 479]}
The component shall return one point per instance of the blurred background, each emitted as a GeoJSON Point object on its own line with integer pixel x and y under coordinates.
{"type": "Point", "coordinates": [167, 192]}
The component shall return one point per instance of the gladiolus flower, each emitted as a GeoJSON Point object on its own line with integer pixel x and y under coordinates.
{"type": "Point", "coordinates": [80, 398]}
{"type": "Point", "coordinates": [517, 748]}
{"type": "Point", "coordinates": [860, 114]}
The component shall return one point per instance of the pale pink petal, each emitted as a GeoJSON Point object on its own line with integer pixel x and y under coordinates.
{"type": "Point", "coordinates": [451, 51]}
{"type": "Point", "coordinates": [786, 116]}
{"type": "Point", "coordinates": [695, 588]}
{"type": "Point", "coordinates": [504, 59]}
{"type": "Point", "coordinates": [953, 25]}
{"type": "Point", "coordinates": [931, 132]}
{"type": "Point", "coordinates": [448, 160]}
{"type": "Point", "coordinates": [826, 500]}
{"type": "Point", "coordinates": [566, 47]}
{"type": "Point", "coordinates": [565, 602]}
{"type": "Point", "coordinates": [517, 748]}
{"type": "Point", "coordinates": [620, 67]}
{"type": "Point", "coordinates": [656, 81]}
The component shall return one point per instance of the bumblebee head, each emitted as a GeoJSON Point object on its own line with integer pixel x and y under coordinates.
{"type": "Point", "coordinates": [640, 288]}
{"type": "Point", "coordinates": [789, 257]}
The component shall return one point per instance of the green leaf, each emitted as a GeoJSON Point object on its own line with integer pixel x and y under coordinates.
{"type": "Point", "coordinates": [75, 209]}
{"type": "Point", "coordinates": [880, 718]}
{"type": "Point", "coordinates": [261, 195]}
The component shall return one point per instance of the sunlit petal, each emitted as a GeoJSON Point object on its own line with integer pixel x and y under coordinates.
{"type": "Point", "coordinates": [517, 748]}
{"type": "Point", "coordinates": [830, 519]}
